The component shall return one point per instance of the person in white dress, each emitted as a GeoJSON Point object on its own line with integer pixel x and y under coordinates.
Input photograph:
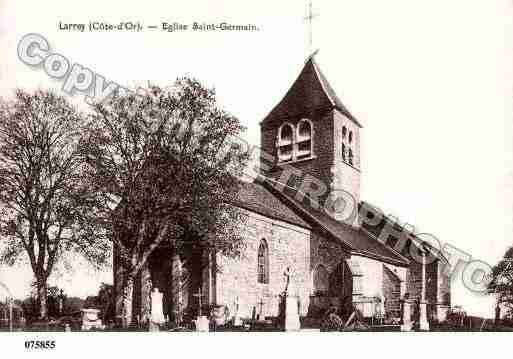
{"type": "Point", "coordinates": [157, 313]}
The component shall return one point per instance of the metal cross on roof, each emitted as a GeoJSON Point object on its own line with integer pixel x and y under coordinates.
{"type": "Point", "coordinates": [309, 18]}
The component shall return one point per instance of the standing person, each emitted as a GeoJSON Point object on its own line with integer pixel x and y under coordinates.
{"type": "Point", "coordinates": [157, 314]}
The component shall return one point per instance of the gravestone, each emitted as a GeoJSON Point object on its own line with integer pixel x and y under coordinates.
{"type": "Point", "coordinates": [90, 319]}
{"type": "Point", "coordinates": [202, 323]}
{"type": "Point", "coordinates": [407, 323]}
{"type": "Point", "coordinates": [424, 323]}
{"type": "Point", "coordinates": [291, 302]}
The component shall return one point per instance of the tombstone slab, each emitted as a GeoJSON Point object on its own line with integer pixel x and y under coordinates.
{"type": "Point", "coordinates": [202, 324]}
{"type": "Point", "coordinates": [424, 323]}
{"type": "Point", "coordinates": [90, 319]}
{"type": "Point", "coordinates": [442, 311]}
{"type": "Point", "coordinates": [291, 314]}
{"type": "Point", "coordinates": [407, 323]}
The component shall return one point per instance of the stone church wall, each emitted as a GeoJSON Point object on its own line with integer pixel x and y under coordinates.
{"type": "Point", "coordinates": [289, 246]}
{"type": "Point", "coordinates": [328, 256]}
{"type": "Point", "coordinates": [391, 293]}
{"type": "Point", "coordinates": [414, 285]}
{"type": "Point", "coordinates": [340, 120]}
{"type": "Point", "coordinates": [414, 281]}
{"type": "Point", "coordinates": [444, 286]}
{"type": "Point", "coordinates": [346, 177]}
{"type": "Point", "coordinates": [325, 252]}
{"type": "Point", "coordinates": [444, 292]}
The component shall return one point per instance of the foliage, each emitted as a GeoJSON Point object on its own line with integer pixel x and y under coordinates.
{"type": "Point", "coordinates": [73, 305]}
{"type": "Point", "coordinates": [55, 295]}
{"type": "Point", "coordinates": [43, 214]}
{"type": "Point", "coordinates": [161, 172]}
{"type": "Point", "coordinates": [501, 283]}
{"type": "Point", "coordinates": [104, 301]}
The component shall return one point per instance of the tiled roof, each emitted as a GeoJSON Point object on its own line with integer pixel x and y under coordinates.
{"type": "Point", "coordinates": [332, 94]}
{"type": "Point", "coordinates": [310, 91]}
{"type": "Point", "coordinates": [256, 198]}
{"type": "Point", "coordinates": [391, 273]}
{"type": "Point", "coordinates": [374, 230]}
{"type": "Point", "coordinates": [263, 198]}
{"type": "Point", "coordinates": [353, 239]}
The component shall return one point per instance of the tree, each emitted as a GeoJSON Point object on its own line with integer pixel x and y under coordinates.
{"type": "Point", "coordinates": [162, 169]}
{"type": "Point", "coordinates": [43, 208]}
{"type": "Point", "coordinates": [501, 283]}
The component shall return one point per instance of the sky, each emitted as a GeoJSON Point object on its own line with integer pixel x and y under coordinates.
{"type": "Point", "coordinates": [431, 82]}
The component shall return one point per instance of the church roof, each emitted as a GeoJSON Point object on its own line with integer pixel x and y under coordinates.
{"type": "Point", "coordinates": [256, 198]}
{"type": "Point", "coordinates": [392, 274]}
{"type": "Point", "coordinates": [374, 229]}
{"type": "Point", "coordinates": [311, 91]}
{"type": "Point", "coordinates": [357, 241]}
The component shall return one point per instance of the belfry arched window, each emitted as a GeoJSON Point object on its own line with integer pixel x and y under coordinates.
{"type": "Point", "coordinates": [285, 142]}
{"type": "Point", "coordinates": [347, 146]}
{"type": "Point", "coordinates": [263, 262]}
{"type": "Point", "coordinates": [295, 142]}
{"type": "Point", "coordinates": [304, 139]}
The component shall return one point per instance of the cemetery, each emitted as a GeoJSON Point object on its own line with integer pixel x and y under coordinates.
{"type": "Point", "coordinates": [219, 319]}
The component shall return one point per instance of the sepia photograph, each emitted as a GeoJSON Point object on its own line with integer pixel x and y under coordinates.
{"type": "Point", "coordinates": [305, 170]}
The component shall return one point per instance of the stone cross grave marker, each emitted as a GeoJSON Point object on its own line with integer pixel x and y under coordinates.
{"type": "Point", "coordinates": [261, 305]}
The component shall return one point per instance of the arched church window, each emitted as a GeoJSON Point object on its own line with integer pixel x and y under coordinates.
{"type": "Point", "coordinates": [285, 142]}
{"type": "Point", "coordinates": [304, 139]}
{"type": "Point", "coordinates": [347, 145]}
{"type": "Point", "coordinates": [263, 262]}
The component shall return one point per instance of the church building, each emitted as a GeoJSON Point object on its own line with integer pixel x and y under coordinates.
{"type": "Point", "coordinates": [310, 145]}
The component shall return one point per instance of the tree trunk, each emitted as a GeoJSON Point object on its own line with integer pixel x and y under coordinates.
{"type": "Point", "coordinates": [146, 286]}
{"type": "Point", "coordinates": [124, 296]}
{"type": "Point", "coordinates": [42, 294]}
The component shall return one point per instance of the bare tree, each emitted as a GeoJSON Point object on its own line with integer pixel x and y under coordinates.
{"type": "Point", "coordinates": [161, 171]}
{"type": "Point", "coordinates": [43, 208]}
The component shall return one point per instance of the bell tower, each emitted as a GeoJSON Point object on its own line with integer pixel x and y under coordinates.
{"type": "Point", "coordinates": [310, 142]}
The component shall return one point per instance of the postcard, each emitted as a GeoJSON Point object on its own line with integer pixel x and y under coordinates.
{"type": "Point", "coordinates": [229, 167]}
